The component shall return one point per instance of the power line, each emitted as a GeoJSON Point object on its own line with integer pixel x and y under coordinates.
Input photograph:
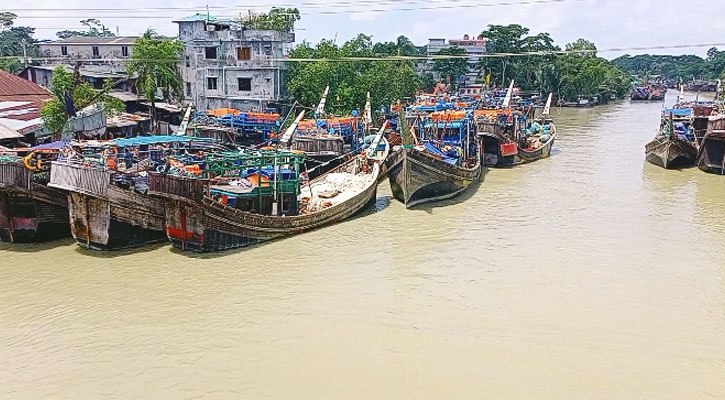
{"type": "Point", "coordinates": [329, 12]}
{"type": "Point", "coordinates": [251, 6]}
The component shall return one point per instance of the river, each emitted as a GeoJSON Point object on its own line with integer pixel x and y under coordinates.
{"type": "Point", "coordinates": [591, 274]}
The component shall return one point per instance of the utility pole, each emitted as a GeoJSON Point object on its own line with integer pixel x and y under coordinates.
{"type": "Point", "coordinates": [25, 53]}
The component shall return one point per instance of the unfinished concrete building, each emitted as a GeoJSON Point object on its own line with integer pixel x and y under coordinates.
{"type": "Point", "coordinates": [227, 65]}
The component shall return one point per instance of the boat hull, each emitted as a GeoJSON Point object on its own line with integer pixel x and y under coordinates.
{"type": "Point", "coordinates": [417, 178]}
{"type": "Point", "coordinates": [712, 156]}
{"type": "Point", "coordinates": [525, 156]}
{"type": "Point", "coordinates": [24, 219]}
{"type": "Point", "coordinates": [122, 220]}
{"type": "Point", "coordinates": [208, 226]}
{"type": "Point", "coordinates": [671, 153]}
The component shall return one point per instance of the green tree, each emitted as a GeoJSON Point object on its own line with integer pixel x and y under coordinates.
{"type": "Point", "coordinates": [15, 41]}
{"type": "Point", "coordinates": [349, 81]}
{"type": "Point", "coordinates": [154, 60]}
{"type": "Point", "coordinates": [401, 47]}
{"type": "Point", "coordinates": [451, 68]}
{"type": "Point", "coordinates": [54, 112]}
{"type": "Point", "coordinates": [277, 19]}
{"type": "Point", "coordinates": [94, 29]}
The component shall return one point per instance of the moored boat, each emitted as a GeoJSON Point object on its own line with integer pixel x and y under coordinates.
{"type": "Point", "coordinates": [711, 157]}
{"type": "Point", "coordinates": [444, 163]}
{"type": "Point", "coordinates": [671, 148]}
{"type": "Point", "coordinates": [539, 138]}
{"type": "Point", "coordinates": [247, 198]}
{"type": "Point", "coordinates": [30, 211]}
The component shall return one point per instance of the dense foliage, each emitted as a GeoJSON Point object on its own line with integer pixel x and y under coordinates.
{"type": "Point", "coordinates": [451, 68]}
{"type": "Point", "coordinates": [687, 67]}
{"type": "Point", "coordinates": [349, 81]}
{"type": "Point", "coordinates": [277, 19]}
{"type": "Point", "coordinates": [94, 29]}
{"type": "Point", "coordinates": [12, 41]}
{"type": "Point", "coordinates": [581, 73]}
{"type": "Point", "coordinates": [63, 86]}
{"type": "Point", "coordinates": [153, 62]}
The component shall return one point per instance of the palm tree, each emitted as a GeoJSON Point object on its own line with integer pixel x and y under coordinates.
{"type": "Point", "coordinates": [155, 65]}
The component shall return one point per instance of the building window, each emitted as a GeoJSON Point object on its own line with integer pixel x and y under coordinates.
{"type": "Point", "coordinates": [210, 53]}
{"type": "Point", "coordinates": [124, 51]}
{"type": "Point", "coordinates": [64, 50]}
{"type": "Point", "coordinates": [211, 83]}
{"type": "Point", "coordinates": [268, 49]}
{"type": "Point", "coordinates": [188, 89]}
{"type": "Point", "coordinates": [245, 84]}
{"type": "Point", "coordinates": [188, 63]}
{"type": "Point", "coordinates": [96, 53]}
{"type": "Point", "coordinates": [244, 53]}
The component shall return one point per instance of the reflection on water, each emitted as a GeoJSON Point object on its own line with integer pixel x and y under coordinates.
{"type": "Point", "coordinates": [587, 275]}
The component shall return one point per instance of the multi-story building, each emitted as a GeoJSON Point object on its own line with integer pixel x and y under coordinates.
{"type": "Point", "coordinates": [104, 49]}
{"type": "Point", "coordinates": [227, 65]}
{"type": "Point", "coordinates": [473, 47]}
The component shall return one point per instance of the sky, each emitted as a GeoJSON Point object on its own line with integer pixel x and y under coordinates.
{"type": "Point", "coordinates": [611, 24]}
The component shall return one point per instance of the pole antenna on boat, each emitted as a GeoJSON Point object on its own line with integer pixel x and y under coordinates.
{"type": "Point", "coordinates": [405, 135]}
{"type": "Point", "coordinates": [376, 141]}
{"type": "Point", "coordinates": [321, 107]}
{"type": "Point", "coordinates": [509, 93]}
{"type": "Point", "coordinates": [287, 137]}
{"type": "Point", "coordinates": [184, 122]}
{"type": "Point", "coordinates": [368, 111]}
{"type": "Point", "coordinates": [547, 107]}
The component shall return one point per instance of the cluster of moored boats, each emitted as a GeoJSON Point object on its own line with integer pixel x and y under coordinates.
{"type": "Point", "coordinates": [202, 193]}
{"type": "Point", "coordinates": [691, 133]}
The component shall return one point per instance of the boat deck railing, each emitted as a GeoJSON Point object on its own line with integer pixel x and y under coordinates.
{"type": "Point", "coordinates": [14, 174]}
{"type": "Point", "coordinates": [93, 181]}
{"type": "Point", "coordinates": [177, 186]}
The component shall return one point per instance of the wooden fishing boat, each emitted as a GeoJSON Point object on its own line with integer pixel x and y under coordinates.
{"type": "Point", "coordinates": [104, 216]}
{"type": "Point", "coordinates": [538, 144]}
{"type": "Point", "coordinates": [107, 191]}
{"type": "Point", "coordinates": [30, 211]}
{"type": "Point", "coordinates": [711, 157]}
{"type": "Point", "coordinates": [196, 221]}
{"type": "Point", "coordinates": [671, 152]}
{"type": "Point", "coordinates": [418, 176]}
{"type": "Point", "coordinates": [674, 148]}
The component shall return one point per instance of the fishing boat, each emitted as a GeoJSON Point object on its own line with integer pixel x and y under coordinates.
{"type": "Point", "coordinates": [670, 149]}
{"type": "Point", "coordinates": [254, 195]}
{"type": "Point", "coordinates": [30, 211]}
{"type": "Point", "coordinates": [539, 138]}
{"type": "Point", "coordinates": [107, 189]}
{"type": "Point", "coordinates": [711, 157]}
{"type": "Point", "coordinates": [445, 162]}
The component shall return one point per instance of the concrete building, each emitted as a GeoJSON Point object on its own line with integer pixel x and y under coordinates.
{"type": "Point", "coordinates": [473, 47]}
{"type": "Point", "coordinates": [88, 48]}
{"type": "Point", "coordinates": [227, 65]}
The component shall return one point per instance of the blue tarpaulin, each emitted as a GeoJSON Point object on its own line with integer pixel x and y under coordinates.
{"type": "Point", "coordinates": [678, 112]}
{"type": "Point", "coordinates": [430, 148]}
{"type": "Point", "coordinates": [50, 146]}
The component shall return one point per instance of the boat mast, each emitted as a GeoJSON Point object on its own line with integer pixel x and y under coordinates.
{"type": "Point", "coordinates": [287, 137]}
{"type": "Point", "coordinates": [509, 93]}
{"type": "Point", "coordinates": [320, 111]}
{"type": "Point", "coordinates": [547, 107]}
{"type": "Point", "coordinates": [368, 118]}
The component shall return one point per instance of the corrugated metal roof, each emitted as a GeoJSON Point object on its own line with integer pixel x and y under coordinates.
{"type": "Point", "coordinates": [80, 40]}
{"type": "Point", "coordinates": [12, 85]}
{"type": "Point", "coordinates": [8, 133]}
{"type": "Point", "coordinates": [22, 116]}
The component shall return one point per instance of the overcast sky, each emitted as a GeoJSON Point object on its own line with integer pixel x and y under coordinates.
{"type": "Point", "coordinates": [608, 23]}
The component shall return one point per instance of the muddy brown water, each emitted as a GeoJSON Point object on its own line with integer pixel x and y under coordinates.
{"type": "Point", "coordinates": [587, 275]}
